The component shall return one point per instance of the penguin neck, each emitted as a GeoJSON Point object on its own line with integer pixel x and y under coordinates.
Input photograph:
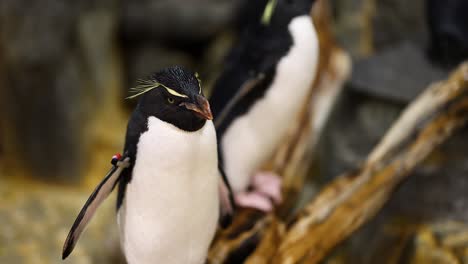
{"type": "Point", "coordinates": [295, 73]}
{"type": "Point", "coordinates": [169, 158]}
{"type": "Point", "coordinates": [184, 120]}
{"type": "Point", "coordinates": [172, 150]}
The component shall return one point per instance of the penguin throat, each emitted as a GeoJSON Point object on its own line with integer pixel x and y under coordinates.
{"type": "Point", "coordinates": [185, 121]}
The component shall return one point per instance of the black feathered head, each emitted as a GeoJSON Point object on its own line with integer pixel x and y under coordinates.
{"type": "Point", "coordinates": [280, 12]}
{"type": "Point", "coordinates": [174, 95]}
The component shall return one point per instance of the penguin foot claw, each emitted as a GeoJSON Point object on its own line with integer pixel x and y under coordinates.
{"type": "Point", "coordinates": [265, 193]}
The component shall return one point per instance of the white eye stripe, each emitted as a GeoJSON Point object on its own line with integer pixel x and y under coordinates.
{"type": "Point", "coordinates": [169, 90]}
{"type": "Point", "coordinates": [199, 82]}
{"type": "Point", "coordinates": [268, 12]}
{"type": "Point", "coordinates": [148, 85]}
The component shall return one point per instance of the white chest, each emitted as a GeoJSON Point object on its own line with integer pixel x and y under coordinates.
{"type": "Point", "coordinates": [252, 138]}
{"type": "Point", "coordinates": [170, 210]}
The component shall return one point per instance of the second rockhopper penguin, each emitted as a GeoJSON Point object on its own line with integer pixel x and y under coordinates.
{"type": "Point", "coordinates": [259, 94]}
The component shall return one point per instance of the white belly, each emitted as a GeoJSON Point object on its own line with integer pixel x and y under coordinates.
{"type": "Point", "coordinates": [251, 139]}
{"type": "Point", "coordinates": [170, 210]}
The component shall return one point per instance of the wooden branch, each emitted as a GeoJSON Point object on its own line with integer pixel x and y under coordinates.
{"type": "Point", "coordinates": [270, 241]}
{"type": "Point", "coordinates": [241, 237]}
{"type": "Point", "coordinates": [351, 200]}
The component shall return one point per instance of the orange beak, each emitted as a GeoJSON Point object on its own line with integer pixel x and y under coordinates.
{"type": "Point", "coordinates": [201, 108]}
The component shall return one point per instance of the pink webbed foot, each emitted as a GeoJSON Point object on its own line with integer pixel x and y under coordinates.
{"type": "Point", "coordinates": [269, 184]}
{"type": "Point", "coordinates": [265, 192]}
{"type": "Point", "coordinates": [253, 200]}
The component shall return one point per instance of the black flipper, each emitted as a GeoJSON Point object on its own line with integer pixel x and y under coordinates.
{"type": "Point", "coordinates": [226, 200]}
{"type": "Point", "coordinates": [99, 194]}
{"type": "Point", "coordinates": [241, 100]}
{"type": "Point", "coordinates": [243, 91]}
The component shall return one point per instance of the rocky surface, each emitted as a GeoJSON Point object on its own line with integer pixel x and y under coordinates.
{"type": "Point", "coordinates": [57, 76]}
{"type": "Point", "coordinates": [366, 26]}
{"type": "Point", "coordinates": [433, 195]}
{"type": "Point", "coordinates": [357, 125]}
{"type": "Point", "coordinates": [396, 20]}
{"type": "Point", "coordinates": [35, 220]}
{"type": "Point", "coordinates": [449, 31]}
{"type": "Point", "coordinates": [399, 73]}
{"type": "Point", "coordinates": [146, 58]}
{"type": "Point", "coordinates": [389, 40]}
{"type": "Point", "coordinates": [178, 22]}
{"type": "Point", "coordinates": [353, 25]}
{"type": "Point", "coordinates": [436, 242]}
{"type": "Point", "coordinates": [426, 219]}
{"type": "Point", "coordinates": [42, 71]}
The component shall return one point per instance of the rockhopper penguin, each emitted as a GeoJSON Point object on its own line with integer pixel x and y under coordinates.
{"type": "Point", "coordinates": [259, 94]}
{"type": "Point", "coordinates": [170, 185]}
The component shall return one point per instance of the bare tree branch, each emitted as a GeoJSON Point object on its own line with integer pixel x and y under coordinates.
{"type": "Point", "coordinates": [351, 200]}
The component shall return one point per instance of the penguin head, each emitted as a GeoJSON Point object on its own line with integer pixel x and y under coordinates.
{"type": "Point", "coordinates": [279, 13]}
{"type": "Point", "coordinates": [174, 95]}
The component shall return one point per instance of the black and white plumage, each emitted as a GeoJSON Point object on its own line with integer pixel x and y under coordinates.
{"type": "Point", "coordinates": [263, 86]}
{"type": "Point", "coordinates": [170, 185]}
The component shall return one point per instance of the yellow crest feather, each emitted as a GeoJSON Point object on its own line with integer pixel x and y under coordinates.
{"type": "Point", "coordinates": [144, 86]}
{"type": "Point", "coordinates": [199, 82]}
{"type": "Point", "coordinates": [268, 12]}
{"type": "Point", "coordinates": [148, 85]}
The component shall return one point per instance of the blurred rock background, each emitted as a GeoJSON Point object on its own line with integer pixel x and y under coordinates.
{"type": "Point", "coordinates": [65, 67]}
{"type": "Point", "coordinates": [399, 48]}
